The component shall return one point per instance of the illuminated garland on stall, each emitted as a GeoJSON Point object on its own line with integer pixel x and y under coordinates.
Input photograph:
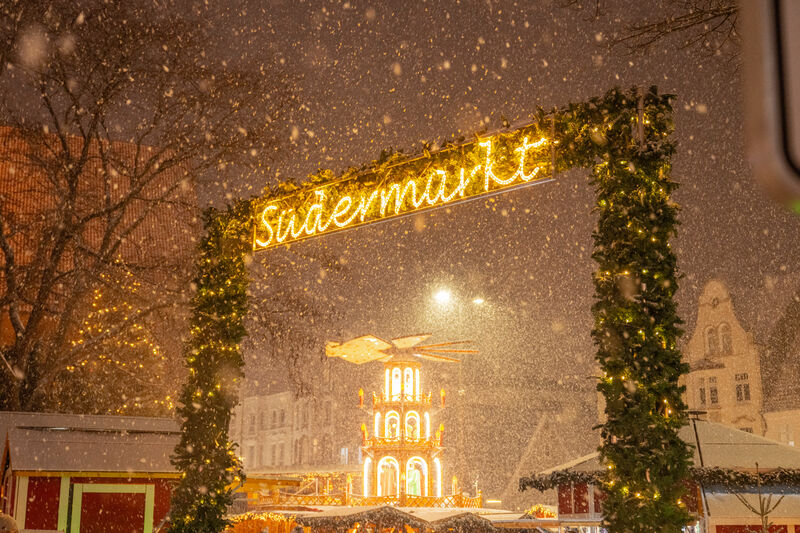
{"type": "Point", "coordinates": [205, 456]}
{"type": "Point", "coordinates": [539, 511]}
{"type": "Point", "coordinates": [260, 520]}
{"type": "Point", "coordinates": [787, 478]}
{"type": "Point", "coordinates": [623, 137]}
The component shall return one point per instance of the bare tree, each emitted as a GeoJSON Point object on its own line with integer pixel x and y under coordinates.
{"type": "Point", "coordinates": [709, 24]}
{"type": "Point", "coordinates": [113, 111]}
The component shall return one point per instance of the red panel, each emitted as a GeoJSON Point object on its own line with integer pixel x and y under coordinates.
{"type": "Point", "coordinates": [750, 529]}
{"type": "Point", "coordinates": [42, 510]}
{"type": "Point", "coordinates": [692, 497]}
{"type": "Point", "coordinates": [112, 513]}
{"type": "Point", "coordinates": [580, 493]}
{"type": "Point", "coordinates": [599, 496]}
{"type": "Point", "coordinates": [565, 499]}
{"type": "Point", "coordinates": [163, 491]}
{"type": "Point", "coordinates": [162, 498]}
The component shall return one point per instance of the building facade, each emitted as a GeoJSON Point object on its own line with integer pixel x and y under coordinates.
{"type": "Point", "coordinates": [280, 431]}
{"type": "Point", "coordinates": [724, 379]}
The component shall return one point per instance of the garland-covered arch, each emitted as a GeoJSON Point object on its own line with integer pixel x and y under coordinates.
{"type": "Point", "coordinates": [623, 137]}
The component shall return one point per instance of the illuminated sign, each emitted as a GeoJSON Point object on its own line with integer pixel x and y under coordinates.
{"type": "Point", "coordinates": [452, 175]}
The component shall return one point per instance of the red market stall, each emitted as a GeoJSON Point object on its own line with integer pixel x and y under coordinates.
{"type": "Point", "coordinates": [95, 474]}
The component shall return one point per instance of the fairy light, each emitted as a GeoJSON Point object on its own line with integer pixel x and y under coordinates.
{"type": "Point", "coordinates": [434, 187]}
{"type": "Point", "coordinates": [127, 353]}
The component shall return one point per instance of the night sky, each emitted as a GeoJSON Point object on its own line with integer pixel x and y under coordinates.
{"type": "Point", "coordinates": [374, 75]}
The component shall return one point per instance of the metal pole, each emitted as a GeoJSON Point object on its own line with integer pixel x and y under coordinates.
{"type": "Point", "coordinates": [640, 121]}
{"type": "Point", "coordinates": [553, 144]}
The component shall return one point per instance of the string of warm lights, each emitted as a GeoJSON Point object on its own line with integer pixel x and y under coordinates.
{"type": "Point", "coordinates": [335, 207]}
{"type": "Point", "coordinates": [115, 346]}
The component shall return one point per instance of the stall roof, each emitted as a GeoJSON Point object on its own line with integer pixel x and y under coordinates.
{"type": "Point", "coordinates": [715, 446]}
{"type": "Point", "coordinates": [85, 443]}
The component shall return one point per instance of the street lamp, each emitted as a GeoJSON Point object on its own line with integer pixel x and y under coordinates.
{"type": "Point", "coordinates": [443, 297]}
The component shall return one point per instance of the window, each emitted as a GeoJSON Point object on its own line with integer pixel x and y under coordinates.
{"type": "Point", "coordinates": [713, 395]}
{"type": "Point", "coordinates": [408, 383]}
{"type": "Point", "coordinates": [392, 425]}
{"type": "Point", "coordinates": [742, 388]}
{"type": "Point", "coordinates": [283, 417]}
{"type": "Point", "coordinates": [280, 455]}
{"type": "Point", "coordinates": [272, 453]}
{"type": "Point", "coordinates": [396, 383]}
{"type": "Point", "coordinates": [702, 391]}
{"type": "Point", "coordinates": [712, 341]}
{"type": "Point", "coordinates": [252, 424]}
{"type": "Point", "coordinates": [251, 451]}
{"type": "Point", "coordinates": [260, 460]}
{"type": "Point", "coordinates": [274, 418]}
{"type": "Point", "coordinates": [742, 392]}
{"type": "Point", "coordinates": [261, 424]}
{"type": "Point", "coordinates": [725, 339]}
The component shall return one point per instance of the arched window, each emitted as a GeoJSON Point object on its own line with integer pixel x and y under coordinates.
{"type": "Point", "coordinates": [417, 477]}
{"type": "Point", "coordinates": [388, 476]}
{"type": "Point", "coordinates": [367, 475]}
{"type": "Point", "coordinates": [377, 424]}
{"type": "Point", "coordinates": [427, 418]}
{"type": "Point", "coordinates": [392, 425]}
{"type": "Point", "coordinates": [437, 468]}
{"type": "Point", "coordinates": [408, 386]}
{"type": "Point", "coordinates": [386, 385]}
{"type": "Point", "coordinates": [725, 338]}
{"type": "Point", "coordinates": [416, 384]}
{"type": "Point", "coordinates": [712, 341]}
{"type": "Point", "coordinates": [412, 425]}
{"type": "Point", "coordinates": [397, 378]}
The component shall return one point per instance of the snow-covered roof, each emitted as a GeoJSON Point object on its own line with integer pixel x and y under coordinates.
{"type": "Point", "coordinates": [724, 447]}
{"type": "Point", "coordinates": [87, 443]}
{"type": "Point", "coordinates": [715, 446]}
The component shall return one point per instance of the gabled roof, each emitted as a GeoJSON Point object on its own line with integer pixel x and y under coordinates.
{"type": "Point", "coordinates": [86, 443]}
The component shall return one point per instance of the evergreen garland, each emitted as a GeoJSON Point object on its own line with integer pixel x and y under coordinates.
{"type": "Point", "coordinates": [636, 324]}
{"type": "Point", "coordinates": [205, 457]}
{"type": "Point", "coordinates": [779, 480]}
